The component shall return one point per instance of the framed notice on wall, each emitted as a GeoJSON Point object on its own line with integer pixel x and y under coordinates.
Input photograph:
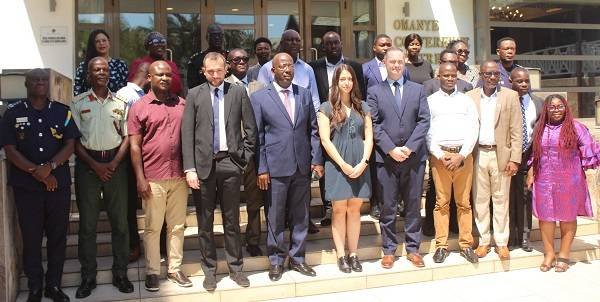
{"type": "Point", "coordinates": [53, 35]}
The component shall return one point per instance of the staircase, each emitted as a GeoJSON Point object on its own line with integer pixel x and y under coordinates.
{"type": "Point", "coordinates": [320, 254]}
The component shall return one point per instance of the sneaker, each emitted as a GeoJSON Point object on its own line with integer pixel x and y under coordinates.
{"type": "Point", "coordinates": [151, 283]}
{"type": "Point", "coordinates": [179, 278]}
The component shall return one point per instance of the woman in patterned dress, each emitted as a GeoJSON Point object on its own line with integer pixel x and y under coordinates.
{"type": "Point", "coordinates": [98, 45]}
{"type": "Point", "coordinates": [562, 149]}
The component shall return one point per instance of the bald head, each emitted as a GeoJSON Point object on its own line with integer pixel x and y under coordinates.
{"type": "Point", "coordinates": [283, 69]}
{"type": "Point", "coordinates": [214, 36]}
{"type": "Point", "coordinates": [447, 74]}
{"type": "Point", "coordinates": [332, 45]}
{"type": "Point", "coordinates": [519, 79]}
{"type": "Point", "coordinates": [98, 73]}
{"type": "Point", "coordinates": [290, 43]}
{"type": "Point", "coordinates": [160, 76]}
{"type": "Point", "coordinates": [36, 82]}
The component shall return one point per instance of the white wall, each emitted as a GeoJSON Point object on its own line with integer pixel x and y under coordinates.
{"type": "Point", "coordinates": [21, 22]}
{"type": "Point", "coordinates": [454, 18]}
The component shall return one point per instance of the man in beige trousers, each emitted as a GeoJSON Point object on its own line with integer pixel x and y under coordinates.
{"type": "Point", "coordinates": [497, 157]}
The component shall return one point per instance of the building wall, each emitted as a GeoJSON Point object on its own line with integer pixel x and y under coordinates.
{"type": "Point", "coordinates": [24, 21]}
{"type": "Point", "coordinates": [431, 20]}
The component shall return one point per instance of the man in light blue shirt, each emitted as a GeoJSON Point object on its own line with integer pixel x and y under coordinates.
{"type": "Point", "coordinates": [304, 75]}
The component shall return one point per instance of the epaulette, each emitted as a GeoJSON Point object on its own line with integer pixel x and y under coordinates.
{"type": "Point", "coordinates": [192, 57]}
{"type": "Point", "coordinates": [15, 104]}
{"type": "Point", "coordinates": [60, 104]}
{"type": "Point", "coordinates": [82, 96]}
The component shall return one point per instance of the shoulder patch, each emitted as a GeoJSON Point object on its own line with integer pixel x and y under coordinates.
{"type": "Point", "coordinates": [15, 104]}
{"type": "Point", "coordinates": [80, 97]}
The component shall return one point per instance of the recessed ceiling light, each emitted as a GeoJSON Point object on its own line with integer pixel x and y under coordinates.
{"type": "Point", "coordinates": [169, 8]}
{"type": "Point", "coordinates": [552, 10]}
{"type": "Point", "coordinates": [235, 9]}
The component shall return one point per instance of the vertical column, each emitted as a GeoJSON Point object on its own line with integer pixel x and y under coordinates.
{"type": "Point", "coordinates": [482, 31]}
{"type": "Point", "coordinates": [9, 256]}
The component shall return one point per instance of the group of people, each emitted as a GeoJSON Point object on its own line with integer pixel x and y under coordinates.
{"type": "Point", "coordinates": [366, 131]}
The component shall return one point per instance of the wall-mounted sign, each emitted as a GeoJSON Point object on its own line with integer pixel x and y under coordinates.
{"type": "Point", "coordinates": [53, 35]}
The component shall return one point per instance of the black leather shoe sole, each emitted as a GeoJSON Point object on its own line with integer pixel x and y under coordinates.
{"type": "Point", "coordinates": [85, 291]}
{"type": "Point", "coordinates": [275, 272]}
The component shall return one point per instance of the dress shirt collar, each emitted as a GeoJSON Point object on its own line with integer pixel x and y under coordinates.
{"type": "Point", "coordinates": [212, 88]}
{"type": "Point", "coordinates": [379, 62]}
{"type": "Point", "coordinates": [278, 88]}
{"type": "Point", "coordinates": [243, 80]}
{"type": "Point", "coordinates": [391, 82]}
{"type": "Point", "coordinates": [493, 96]}
{"type": "Point", "coordinates": [328, 64]}
{"type": "Point", "coordinates": [455, 92]}
{"type": "Point", "coordinates": [134, 86]}
{"type": "Point", "coordinates": [151, 97]}
{"type": "Point", "coordinates": [94, 97]}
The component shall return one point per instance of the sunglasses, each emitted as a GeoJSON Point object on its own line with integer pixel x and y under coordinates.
{"type": "Point", "coordinates": [157, 41]}
{"type": "Point", "coordinates": [489, 74]}
{"type": "Point", "coordinates": [463, 51]}
{"type": "Point", "coordinates": [238, 60]}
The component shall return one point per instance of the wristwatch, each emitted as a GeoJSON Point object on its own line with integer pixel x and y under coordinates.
{"type": "Point", "coordinates": [367, 161]}
{"type": "Point", "coordinates": [52, 165]}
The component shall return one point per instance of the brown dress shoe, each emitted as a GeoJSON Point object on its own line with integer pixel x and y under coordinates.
{"type": "Point", "coordinates": [388, 261]}
{"type": "Point", "coordinates": [503, 252]}
{"type": "Point", "coordinates": [416, 259]}
{"type": "Point", "coordinates": [482, 251]}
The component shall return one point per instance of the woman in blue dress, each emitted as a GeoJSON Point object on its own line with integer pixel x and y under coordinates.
{"type": "Point", "coordinates": [347, 136]}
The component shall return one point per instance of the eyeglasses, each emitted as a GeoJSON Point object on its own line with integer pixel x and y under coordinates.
{"type": "Point", "coordinates": [157, 41]}
{"type": "Point", "coordinates": [489, 74]}
{"type": "Point", "coordinates": [238, 60]}
{"type": "Point", "coordinates": [556, 108]}
{"type": "Point", "coordinates": [286, 66]}
{"type": "Point", "coordinates": [463, 51]}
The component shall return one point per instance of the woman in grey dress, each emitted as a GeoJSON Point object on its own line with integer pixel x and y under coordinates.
{"type": "Point", "coordinates": [347, 136]}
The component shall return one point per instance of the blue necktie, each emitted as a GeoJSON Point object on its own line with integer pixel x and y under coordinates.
{"type": "Point", "coordinates": [398, 95]}
{"type": "Point", "coordinates": [216, 140]}
{"type": "Point", "coordinates": [525, 138]}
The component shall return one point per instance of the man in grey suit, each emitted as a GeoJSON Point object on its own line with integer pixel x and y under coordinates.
{"type": "Point", "coordinates": [520, 198]}
{"type": "Point", "coordinates": [288, 149]}
{"type": "Point", "coordinates": [215, 155]}
{"type": "Point", "coordinates": [238, 65]}
{"type": "Point", "coordinates": [400, 120]}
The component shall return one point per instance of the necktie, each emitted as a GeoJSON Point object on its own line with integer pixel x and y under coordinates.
{"type": "Point", "coordinates": [398, 95]}
{"type": "Point", "coordinates": [216, 140]}
{"type": "Point", "coordinates": [287, 104]}
{"type": "Point", "coordinates": [525, 138]}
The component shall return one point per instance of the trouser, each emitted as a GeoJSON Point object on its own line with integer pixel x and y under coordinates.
{"type": "Point", "coordinates": [489, 181]}
{"type": "Point", "coordinates": [288, 198]}
{"type": "Point", "coordinates": [222, 185]}
{"type": "Point", "coordinates": [447, 182]}
{"type": "Point", "coordinates": [90, 191]}
{"type": "Point", "coordinates": [168, 202]}
{"type": "Point", "coordinates": [520, 204]}
{"type": "Point", "coordinates": [401, 181]}
{"type": "Point", "coordinates": [43, 212]}
{"type": "Point", "coordinates": [254, 200]}
{"type": "Point", "coordinates": [430, 200]}
{"type": "Point", "coordinates": [132, 206]}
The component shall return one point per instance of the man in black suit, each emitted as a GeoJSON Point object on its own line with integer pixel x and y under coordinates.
{"type": "Point", "coordinates": [324, 69]}
{"type": "Point", "coordinates": [520, 198]}
{"type": "Point", "coordinates": [215, 155]}
{"type": "Point", "coordinates": [432, 86]}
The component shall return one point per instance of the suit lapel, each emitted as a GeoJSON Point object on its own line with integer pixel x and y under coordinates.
{"type": "Point", "coordinates": [297, 105]}
{"type": "Point", "coordinates": [322, 70]}
{"type": "Point", "coordinates": [477, 101]}
{"type": "Point", "coordinates": [390, 96]}
{"type": "Point", "coordinates": [204, 95]}
{"type": "Point", "coordinates": [375, 70]}
{"type": "Point", "coordinates": [277, 100]}
{"type": "Point", "coordinates": [499, 100]}
{"type": "Point", "coordinates": [405, 98]}
{"type": "Point", "coordinates": [227, 101]}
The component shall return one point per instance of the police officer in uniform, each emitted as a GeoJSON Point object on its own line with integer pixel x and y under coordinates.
{"type": "Point", "coordinates": [215, 37]}
{"type": "Point", "coordinates": [38, 136]}
{"type": "Point", "coordinates": [101, 170]}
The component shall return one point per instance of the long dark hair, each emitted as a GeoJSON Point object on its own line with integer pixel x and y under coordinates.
{"type": "Point", "coordinates": [568, 135]}
{"type": "Point", "coordinates": [338, 116]}
{"type": "Point", "coordinates": [90, 50]}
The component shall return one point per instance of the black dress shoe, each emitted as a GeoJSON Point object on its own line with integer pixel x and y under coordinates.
{"type": "Point", "coordinates": [123, 284]}
{"type": "Point", "coordinates": [469, 254]}
{"type": "Point", "coordinates": [302, 268]}
{"type": "Point", "coordinates": [525, 246]}
{"type": "Point", "coordinates": [354, 263]}
{"type": "Point", "coordinates": [326, 222]}
{"type": "Point", "coordinates": [375, 212]}
{"type": "Point", "coordinates": [210, 282]}
{"type": "Point", "coordinates": [56, 294]}
{"type": "Point", "coordinates": [240, 279]}
{"type": "Point", "coordinates": [151, 283]}
{"type": "Point", "coordinates": [440, 255]}
{"type": "Point", "coordinates": [254, 250]}
{"type": "Point", "coordinates": [343, 265]}
{"type": "Point", "coordinates": [312, 227]}
{"type": "Point", "coordinates": [275, 272]}
{"type": "Point", "coordinates": [85, 289]}
{"type": "Point", "coordinates": [35, 295]}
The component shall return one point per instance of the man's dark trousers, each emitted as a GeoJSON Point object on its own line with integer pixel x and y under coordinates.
{"type": "Point", "coordinates": [88, 188]}
{"type": "Point", "coordinates": [43, 212]}
{"type": "Point", "coordinates": [520, 214]}
{"type": "Point", "coordinates": [254, 200]}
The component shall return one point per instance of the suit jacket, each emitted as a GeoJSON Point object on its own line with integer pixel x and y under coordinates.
{"type": "Point", "coordinates": [320, 68]}
{"type": "Point", "coordinates": [253, 86]}
{"type": "Point", "coordinates": [396, 127]}
{"type": "Point", "coordinates": [285, 147]}
{"type": "Point", "coordinates": [252, 73]}
{"type": "Point", "coordinates": [371, 73]}
{"type": "Point", "coordinates": [539, 106]}
{"type": "Point", "coordinates": [508, 131]}
{"type": "Point", "coordinates": [197, 128]}
{"type": "Point", "coordinates": [431, 86]}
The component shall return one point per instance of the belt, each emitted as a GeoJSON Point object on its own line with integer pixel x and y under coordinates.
{"type": "Point", "coordinates": [220, 155]}
{"type": "Point", "coordinates": [453, 149]}
{"type": "Point", "coordinates": [487, 147]}
{"type": "Point", "coordinates": [104, 155]}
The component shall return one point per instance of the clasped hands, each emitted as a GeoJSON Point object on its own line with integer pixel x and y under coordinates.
{"type": "Point", "coordinates": [452, 161]}
{"type": "Point", "coordinates": [354, 172]}
{"type": "Point", "coordinates": [400, 154]}
{"type": "Point", "coordinates": [42, 174]}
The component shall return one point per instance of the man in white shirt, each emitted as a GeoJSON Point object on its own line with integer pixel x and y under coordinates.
{"type": "Point", "coordinates": [453, 132]}
{"type": "Point", "coordinates": [135, 89]}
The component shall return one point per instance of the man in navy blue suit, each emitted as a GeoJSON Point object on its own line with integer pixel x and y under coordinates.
{"type": "Point", "coordinates": [288, 150]}
{"type": "Point", "coordinates": [400, 120]}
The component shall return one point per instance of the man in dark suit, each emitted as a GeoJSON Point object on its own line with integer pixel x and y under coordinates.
{"type": "Point", "coordinates": [520, 198]}
{"type": "Point", "coordinates": [324, 69]}
{"type": "Point", "coordinates": [400, 120]}
{"type": "Point", "coordinates": [374, 71]}
{"type": "Point", "coordinates": [215, 155]}
{"type": "Point", "coordinates": [430, 87]}
{"type": "Point", "coordinates": [288, 149]}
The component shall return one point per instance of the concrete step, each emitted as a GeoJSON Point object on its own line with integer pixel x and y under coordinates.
{"type": "Point", "coordinates": [319, 250]}
{"type": "Point", "coordinates": [329, 279]}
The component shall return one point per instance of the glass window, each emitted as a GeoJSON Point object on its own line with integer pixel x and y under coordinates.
{"type": "Point", "coordinates": [237, 19]}
{"type": "Point", "coordinates": [136, 18]}
{"type": "Point", "coordinates": [362, 12]}
{"type": "Point", "coordinates": [326, 17]}
{"type": "Point", "coordinates": [549, 41]}
{"type": "Point", "coordinates": [363, 43]}
{"type": "Point", "coordinates": [281, 15]}
{"type": "Point", "coordinates": [90, 16]}
{"type": "Point", "coordinates": [183, 31]}
{"type": "Point", "coordinates": [574, 11]}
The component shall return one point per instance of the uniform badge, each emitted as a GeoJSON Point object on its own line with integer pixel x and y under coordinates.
{"type": "Point", "coordinates": [55, 133]}
{"type": "Point", "coordinates": [119, 112]}
{"type": "Point", "coordinates": [22, 119]}
{"type": "Point", "coordinates": [85, 111]}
